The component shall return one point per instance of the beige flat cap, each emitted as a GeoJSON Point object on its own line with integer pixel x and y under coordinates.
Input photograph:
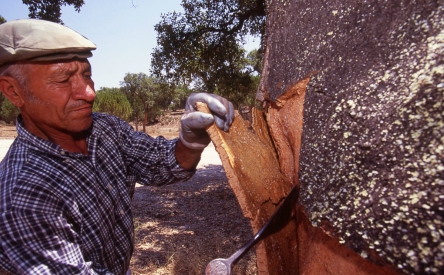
{"type": "Point", "coordinates": [40, 40]}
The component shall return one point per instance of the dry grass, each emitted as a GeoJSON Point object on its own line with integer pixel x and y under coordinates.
{"type": "Point", "coordinates": [181, 227]}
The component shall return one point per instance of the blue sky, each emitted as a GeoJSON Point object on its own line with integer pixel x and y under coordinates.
{"type": "Point", "coordinates": [124, 34]}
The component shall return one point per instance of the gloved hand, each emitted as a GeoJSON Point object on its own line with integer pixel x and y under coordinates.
{"type": "Point", "coordinates": [193, 122]}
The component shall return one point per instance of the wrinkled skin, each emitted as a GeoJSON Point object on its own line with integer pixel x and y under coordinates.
{"type": "Point", "coordinates": [56, 102]}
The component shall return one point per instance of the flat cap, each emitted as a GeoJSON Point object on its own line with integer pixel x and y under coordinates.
{"type": "Point", "coordinates": [40, 40]}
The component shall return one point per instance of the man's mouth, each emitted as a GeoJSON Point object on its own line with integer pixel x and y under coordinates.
{"type": "Point", "coordinates": [83, 108]}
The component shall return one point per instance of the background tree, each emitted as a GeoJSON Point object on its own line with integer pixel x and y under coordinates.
{"type": "Point", "coordinates": [9, 111]}
{"type": "Point", "coordinates": [203, 45]}
{"type": "Point", "coordinates": [136, 105]}
{"type": "Point", "coordinates": [112, 101]}
{"type": "Point", "coordinates": [254, 60]}
{"type": "Point", "coordinates": [179, 97]}
{"type": "Point", "coordinates": [146, 95]}
{"type": "Point", "coordinates": [50, 9]}
{"type": "Point", "coordinates": [2, 97]}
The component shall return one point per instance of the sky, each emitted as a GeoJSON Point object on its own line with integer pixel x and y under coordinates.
{"type": "Point", "coordinates": [123, 31]}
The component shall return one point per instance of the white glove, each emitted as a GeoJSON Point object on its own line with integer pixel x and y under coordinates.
{"type": "Point", "coordinates": [193, 123]}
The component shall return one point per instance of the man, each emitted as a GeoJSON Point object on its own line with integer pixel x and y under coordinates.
{"type": "Point", "coordinates": [67, 181]}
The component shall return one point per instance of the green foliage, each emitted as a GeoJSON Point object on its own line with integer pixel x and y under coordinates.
{"type": "Point", "coordinates": [2, 98]}
{"type": "Point", "coordinates": [179, 97]}
{"type": "Point", "coordinates": [147, 95]}
{"type": "Point", "coordinates": [202, 46]}
{"type": "Point", "coordinates": [50, 9]}
{"type": "Point", "coordinates": [112, 101]}
{"type": "Point", "coordinates": [9, 111]}
{"type": "Point", "coordinates": [2, 20]}
{"type": "Point", "coordinates": [254, 59]}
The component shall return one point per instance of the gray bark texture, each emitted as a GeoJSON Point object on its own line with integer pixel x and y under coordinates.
{"type": "Point", "coordinates": [372, 154]}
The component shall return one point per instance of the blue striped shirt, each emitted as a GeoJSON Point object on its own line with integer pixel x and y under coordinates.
{"type": "Point", "coordinates": [69, 213]}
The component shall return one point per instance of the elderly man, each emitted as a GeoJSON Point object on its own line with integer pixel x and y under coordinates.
{"type": "Point", "coordinates": [67, 181]}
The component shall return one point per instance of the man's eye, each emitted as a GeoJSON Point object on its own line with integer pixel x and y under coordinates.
{"type": "Point", "coordinates": [64, 80]}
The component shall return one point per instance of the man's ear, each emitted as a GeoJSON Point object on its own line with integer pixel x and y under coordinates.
{"type": "Point", "coordinates": [12, 90]}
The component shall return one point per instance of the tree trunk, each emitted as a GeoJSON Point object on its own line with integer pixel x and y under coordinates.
{"type": "Point", "coordinates": [371, 159]}
{"type": "Point", "coordinates": [354, 93]}
{"type": "Point", "coordinates": [137, 123]}
{"type": "Point", "coordinates": [258, 190]}
{"type": "Point", "coordinates": [145, 121]}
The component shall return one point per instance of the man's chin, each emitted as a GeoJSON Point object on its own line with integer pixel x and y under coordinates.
{"type": "Point", "coordinates": [78, 126]}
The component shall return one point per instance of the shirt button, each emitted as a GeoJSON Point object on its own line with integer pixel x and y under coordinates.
{"type": "Point", "coordinates": [62, 152]}
{"type": "Point", "coordinates": [122, 212]}
{"type": "Point", "coordinates": [110, 187]}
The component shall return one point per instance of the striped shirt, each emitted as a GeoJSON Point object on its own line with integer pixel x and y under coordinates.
{"type": "Point", "coordinates": [69, 213]}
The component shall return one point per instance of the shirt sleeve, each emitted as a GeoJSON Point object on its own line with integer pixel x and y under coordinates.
{"type": "Point", "coordinates": [151, 160]}
{"type": "Point", "coordinates": [36, 238]}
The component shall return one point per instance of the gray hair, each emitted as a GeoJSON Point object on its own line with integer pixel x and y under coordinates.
{"type": "Point", "coordinates": [18, 70]}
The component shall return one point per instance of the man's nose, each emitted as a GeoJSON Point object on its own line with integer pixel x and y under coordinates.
{"type": "Point", "coordinates": [83, 89]}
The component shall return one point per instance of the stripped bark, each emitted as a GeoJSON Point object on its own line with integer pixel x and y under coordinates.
{"type": "Point", "coordinates": [252, 169]}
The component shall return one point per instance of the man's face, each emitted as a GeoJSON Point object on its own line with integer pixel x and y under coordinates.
{"type": "Point", "coordinates": [58, 97]}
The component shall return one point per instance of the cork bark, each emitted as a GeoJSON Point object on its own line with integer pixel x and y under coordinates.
{"type": "Point", "coordinates": [252, 168]}
{"type": "Point", "coordinates": [371, 162]}
{"type": "Point", "coordinates": [355, 97]}
{"type": "Point", "coordinates": [317, 252]}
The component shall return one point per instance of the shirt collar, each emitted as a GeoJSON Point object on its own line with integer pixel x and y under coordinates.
{"type": "Point", "coordinates": [34, 142]}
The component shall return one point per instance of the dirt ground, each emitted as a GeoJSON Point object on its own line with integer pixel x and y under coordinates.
{"type": "Point", "coordinates": [181, 227]}
{"type": "Point", "coordinates": [7, 131]}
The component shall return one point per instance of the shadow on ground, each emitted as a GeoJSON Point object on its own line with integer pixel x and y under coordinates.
{"type": "Point", "coordinates": [181, 227]}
